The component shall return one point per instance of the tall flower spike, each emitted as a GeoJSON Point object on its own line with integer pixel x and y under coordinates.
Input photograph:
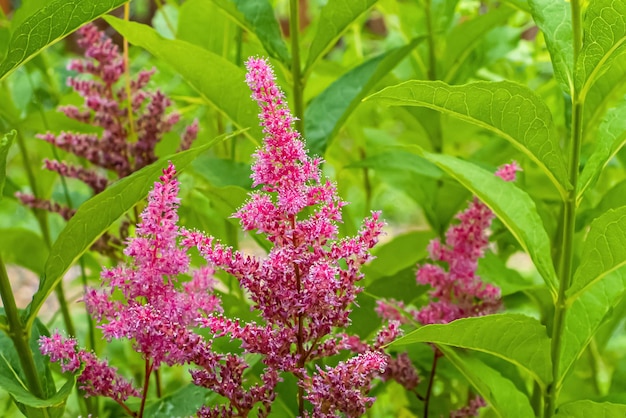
{"type": "Point", "coordinates": [305, 286]}
{"type": "Point", "coordinates": [106, 107]}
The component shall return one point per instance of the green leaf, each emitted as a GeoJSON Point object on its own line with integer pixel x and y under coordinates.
{"type": "Point", "coordinates": [586, 409]}
{"type": "Point", "coordinates": [13, 381]}
{"type": "Point", "coordinates": [48, 25]}
{"type": "Point", "coordinates": [608, 90]}
{"type": "Point", "coordinates": [5, 143]}
{"type": "Point", "coordinates": [604, 39]}
{"type": "Point", "coordinates": [516, 338]}
{"type": "Point", "coordinates": [464, 38]}
{"type": "Point", "coordinates": [24, 248]}
{"type": "Point", "coordinates": [554, 19]}
{"type": "Point", "coordinates": [611, 137]}
{"type": "Point", "coordinates": [334, 19]}
{"type": "Point", "coordinates": [511, 205]}
{"type": "Point", "coordinates": [493, 270]}
{"type": "Point", "coordinates": [328, 111]}
{"type": "Point", "coordinates": [258, 18]}
{"type": "Point", "coordinates": [220, 82]}
{"type": "Point", "coordinates": [96, 215]}
{"type": "Point", "coordinates": [604, 251]}
{"type": "Point", "coordinates": [500, 393]}
{"type": "Point", "coordinates": [508, 109]}
{"type": "Point", "coordinates": [399, 160]}
{"type": "Point", "coordinates": [184, 402]}
{"type": "Point", "coordinates": [401, 252]}
{"type": "Point", "coordinates": [585, 315]}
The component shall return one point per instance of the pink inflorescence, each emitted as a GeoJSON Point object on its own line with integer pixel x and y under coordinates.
{"type": "Point", "coordinates": [305, 286]}
{"type": "Point", "coordinates": [97, 377]}
{"type": "Point", "coordinates": [106, 107]}
{"type": "Point", "coordinates": [459, 292]}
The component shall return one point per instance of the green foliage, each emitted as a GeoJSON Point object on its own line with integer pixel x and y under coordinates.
{"type": "Point", "coordinates": [518, 339]}
{"type": "Point", "coordinates": [454, 91]}
{"type": "Point", "coordinates": [49, 24]}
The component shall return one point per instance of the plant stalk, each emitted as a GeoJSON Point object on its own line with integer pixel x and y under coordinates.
{"type": "Point", "coordinates": [566, 244]}
{"type": "Point", "coordinates": [19, 335]}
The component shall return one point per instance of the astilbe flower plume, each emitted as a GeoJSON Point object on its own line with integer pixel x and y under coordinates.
{"type": "Point", "coordinates": [107, 107]}
{"type": "Point", "coordinates": [457, 292]}
{"type": "Point", "coordinates": [305, 286]}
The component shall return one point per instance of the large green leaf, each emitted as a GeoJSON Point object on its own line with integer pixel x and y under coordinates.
{"type": "Point", "coordinates": [586, 409]}
{"type": "Point", "coordinates": [463, 39]}
{"type": "Point", "coordinates": [400, 160]}
{"type": "Point", "coordinates": [5, 144]}
{"type": "Point", "coordinates": [329, 110]}
{"type": "Point", "coordinates": [516, 338]}
{"type": "Point", "coordinates": [334, 19]}
{"type": "Point", "coordinates": [508, 109]}
{"type": "Point", "coordinates": [604, 40]}
{"type": "Point", "coordinates": [513, 207]}
{"type": "Point", "coordinates": [608, 89]}
{"type": "Point", "coordinates": [184, 402]}
{"type": "Point", "coordinates": [554, 18]}
{"type": "Point", "coordinates": [258, 18]}
{"type": "Point", "coordinates": [58, 19]}
{"type": "Point", "coordinates": [611, 137]}
{"type": "Point", "coordinates": [24, 248]}
{"type": "Point", "coordinates": [500, 393]}
{"type": "Point", "coordinates": [96, 215]}
{"type": "Point", "coordinates": [604, 251]}
{"type": "Point", "coordinates": [13, 381]}
{"type": "Point", "coordinates": [220, 82]}
{"type": "Point", "coordinates": [586, 313]}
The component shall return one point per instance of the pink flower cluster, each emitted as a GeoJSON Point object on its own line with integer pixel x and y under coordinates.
{"type": "Point", "coordinates": [106, 106]}
{"type": "Point", "coordinates": [97, 377]}
{"type": "Point", "coordinates": [305, 286]}
{"type": "Point", "coordinates": [457, 292]}
{"type": "Point", "coordinates": [303, 289]}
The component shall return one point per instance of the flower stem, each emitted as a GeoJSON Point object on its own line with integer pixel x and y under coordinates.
{"type": "Point", "coordinates": [566, 245]}
{"type": "Point", "coordinates": [19, 334]}
{"type": "Point", "coordinates": [431, 379]}
{"type": "Point", "coordinates": [296, 71]}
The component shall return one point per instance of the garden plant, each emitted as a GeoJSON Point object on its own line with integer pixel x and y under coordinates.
{"type": "Point", "coordinates": [307, 208]}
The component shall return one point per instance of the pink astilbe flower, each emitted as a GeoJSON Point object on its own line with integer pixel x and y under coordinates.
{"type": "Point", "coordinates": [343, 388]}
{"type": "Point", "coordinates": [157, 310]}
{"type": "Point", "coordinates": [471, 410]}
{"type": "Point", "coordinates": [305, 286]}
{"type": "Point", "coordinates": [97, 377]}
{"type": "Point", "coordinates": [106, 107]}
{"type": "Point", "coordinates": [459, 292]}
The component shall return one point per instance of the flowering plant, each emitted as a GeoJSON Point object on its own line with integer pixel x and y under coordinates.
{"type": "Point", "coordinates": [232, 300]}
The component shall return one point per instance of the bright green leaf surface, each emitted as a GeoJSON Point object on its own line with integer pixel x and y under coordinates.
{"type": "Point", "coordinates": [610, 139]}
{"type": "Point", "coordinates": [328, 111]}
{"type": "Point", "coordinates": [24, 248]}
{"type": "Point", "coordinates": [587, 313]}
{"type": "Point", "coordinates": [5, 144]}
{"type": "Point", "coordinates": [512, 206]}
{"type": "Point", "coordinates": [519, 339]}
{"type": "Point", "coordinates": [608, 89]}
{"type": "Point", "coordinates": [500, 393]}
{"type": "Point", "coordinates": [220, 82]}
{"type": "Point", "coordinates": [184, 402]}
{"type": "Point", "coordinates": [604, 251]}
{"type": "Point", "coordinates": [464, 38]}
{"type": "Point", "coordinates": [258, 17]}
{"type": "Point", "coordinates": [399, 160]}
{"type": "Point", "coordinates": [587, 409]}
{"type": "Point", "coordinates": [604, 40]}
{"type": "Point", "coordinates": [334, 19]}
{"type": "Point", "coordinates": [96, 215]}
{"type": "Point", "coordinates": [506, 108]}
{"type": "Point", "coordinates": [58, 19]}
{"type": "Point", "coordinates": [554, 19]}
